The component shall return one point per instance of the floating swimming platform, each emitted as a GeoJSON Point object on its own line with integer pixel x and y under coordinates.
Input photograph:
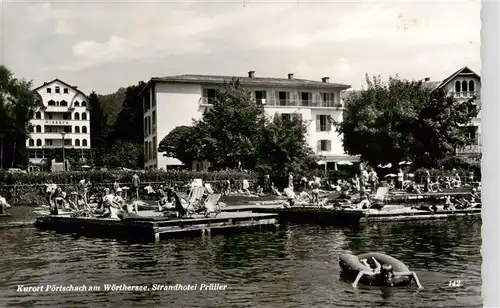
{"type": "Point", "coordinates": [351, 265]}
{"type": "Point", "coordinates": [155, 228]}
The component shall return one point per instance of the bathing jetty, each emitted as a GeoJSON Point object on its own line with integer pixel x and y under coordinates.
{"type": "Point", "coordinates": [148, 229]}
{"type": "Point", "coordinates": [317, 215]}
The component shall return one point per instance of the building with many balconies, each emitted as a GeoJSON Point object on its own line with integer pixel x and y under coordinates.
{"type": "Point", "coordinates": [176, 100]}
{"type": "Point", "coordinates": [464, 85]}
{"type": "Point", "coordinates": [60, 129]}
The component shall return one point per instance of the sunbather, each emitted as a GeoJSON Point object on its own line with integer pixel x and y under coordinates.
{"type": "Point", "coordinates": [3, 205]}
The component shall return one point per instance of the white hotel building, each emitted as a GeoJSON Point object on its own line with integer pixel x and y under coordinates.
{"type": "Point", "coordinates": [176, 100]}
{"type": "Point", "coordinates": [61, 124]}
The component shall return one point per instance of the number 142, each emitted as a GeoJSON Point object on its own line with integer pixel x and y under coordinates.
{"type": "Point", "coordinates": [455, 283]}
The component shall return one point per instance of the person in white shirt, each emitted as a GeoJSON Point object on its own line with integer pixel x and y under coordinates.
{"type": "Point", "coordinates": [3, 205]}
{"type": "Point", "coordinates": [401, 177]}
{"type": "Point", "coordinates": [373, 178]}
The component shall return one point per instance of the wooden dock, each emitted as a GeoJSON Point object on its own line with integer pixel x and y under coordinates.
{"type": "Point", "coordinates": [316, 215]}
{"type": "Point", "coordinates": [156, 228]}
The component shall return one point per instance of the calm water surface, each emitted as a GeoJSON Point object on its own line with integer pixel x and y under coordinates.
{"type": "Point", "coordinates": [295, 267]}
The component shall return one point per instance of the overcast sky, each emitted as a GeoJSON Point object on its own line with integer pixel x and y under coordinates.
{"type": "Point", "coordinates": [104, 46]}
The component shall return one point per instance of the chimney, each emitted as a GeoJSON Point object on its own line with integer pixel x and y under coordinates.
{"type": "Point", "coordinates": [251, 74]}
{"type": "Point", "coordinates": [290, 76]}
{"type": "Point", "coordinates": [427, 79]}
{"type": "Point", "coordinates": [325, 79]}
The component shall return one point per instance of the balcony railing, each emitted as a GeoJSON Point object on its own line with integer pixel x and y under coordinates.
{"type": "Point", "coordinates": [470, 149]}
{"type": "Point", "coordinates": [468, 94]}
{"type": "Point", "coordinates": [207, 101]}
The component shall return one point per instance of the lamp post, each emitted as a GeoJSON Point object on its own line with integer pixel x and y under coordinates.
{"type": "Point", "coordinates": [63, 134]}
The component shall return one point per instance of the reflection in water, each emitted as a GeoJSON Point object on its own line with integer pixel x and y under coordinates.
{"type": "Point", "coordinates": [294, 267]}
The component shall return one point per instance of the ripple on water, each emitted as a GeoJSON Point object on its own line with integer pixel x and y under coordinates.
{"type": "Point", "coordinates": [296, 267]}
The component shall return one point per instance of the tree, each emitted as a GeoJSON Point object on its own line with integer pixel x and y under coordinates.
{"type": "Point", "coordinates": [100, 131]}
{"type": "Point", "coordinates": [400, 119]}
{"type": "Point", "coordinates": [284, 147]}
{"type": "Point", "coordinates": [131, 115]}
{"type": "Point", "coordinates": [181, 143]}
{"type": "Point", "coordinates": [231, 129]}
{"type": "Point", "coordinates": [124, 154]}
{"type": "Point", "coordinates": [17, 105]}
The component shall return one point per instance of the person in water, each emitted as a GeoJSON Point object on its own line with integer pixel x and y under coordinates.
{"type": "Point", "coordinates": [386, 276]}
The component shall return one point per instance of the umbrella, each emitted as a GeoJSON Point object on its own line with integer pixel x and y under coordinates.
{"type": "Point", "coordinates": [344, 162]}
{"type": "Point", "coordinates": [391, 175]}
{"type": "Point", "coordinates": [389, 165]}
{"type": "Point", "coordinates": [402, 163]}
{"type": "Point", "coordinates": [85, 166]}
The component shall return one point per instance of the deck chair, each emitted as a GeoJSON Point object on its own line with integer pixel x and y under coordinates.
{"type": "Point", "coordinates": [211, 205]}
{"type": "Point", "coordinates": [195, 200]}
{"type": "Point", "coordinates": [380, 197]}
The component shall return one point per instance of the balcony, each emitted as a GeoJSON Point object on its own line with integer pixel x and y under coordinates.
{"type": "Point", "coordinates": [470, 149]}
{"type": "Point", "coordinates": [467, 95]}
{"type": "Point", "coordinates": [304, 103]}
{"type": "Point", "coordinates": [58, 109]}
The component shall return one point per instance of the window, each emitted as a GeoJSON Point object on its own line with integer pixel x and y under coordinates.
{"type": "Point", "coordinates": [51, 103]}
{"type": "Point", "coordinates": [31, 129]}
{"type": "Point", "coordinates": [84, 142]}
{"type": "Point", "coordinates": [38, 129]}
{"type": "Point", "coordinates": [260, 97]}
{"type": "Point", "coordinates": [153, 94]}
{"type": "Point", "coordinates": [84, 104]}
{"type": "Point", "coordinates": [67, 129]}
{"type": "Point", "coordinates": [457, 86]}
{"type": "Point", "coordinates": [65, 90]}
{"type": "Point", "coordinates": [76, 116]}
{"type": "Point", "coordinates": [305, 98]}
{"type": "Point", "coordinates": [76, 104]}
{"type": "Point", "coordinates": [77, 142]}
{"type": "Point", "coordinates": [49, 90]}
{"type": "Point", "coordinates": [210, 95]}
{"type": "Point", "coordinates": [66, 116]}
{"type": "Point", "coordinates": [282, 97]}
{"type": "Point", "coordinates": [322, 123]}
{"type": "Point", "coordinates": [39, 142]}
{"type": "Point", "coordinates": [49, 115]}
{"type": "Point", "coordinates": [145, 126]}
{"type": "Point", "coordinates": [84, 116]}
{"type": "Point", "coordinates": [472, 109]}
{"type": "Point", "coordinates": [63, 103]}
{"type": "Point", "coordinates": [38, 115]}
{"type": "Point", "coordinates": [77, 129]}
{"type": "Point", "coordinates": [154, 145]}
{"type": "Point", "coordinates": [146, 150]}
{"type": "Point", "coordinates": [150, 150]}
{"type": "Point", "coordinates": [472, 134]}
{"type": "Point", "coordinates": [31, 142]}
{"type": "Point", "coordinates": [84, 129]}
{"type": "Point", "coordinates": [149, 125]}
{"type": "Point", "coordinates": [67, 142]}
{"type": "Point", "coordinates": [464, 86]}
{"type": "Point", "coordinates": [324, 145]}
{"type": "Point", "coordinates": [153, 117]}
{"type": "Point", "coordinates": [472, 86]}
{"type": "Point", "coordinates": [32, 154]}
{"type": "Point", "coordinates": [58, 90]}
{"type": "Point", "coordinates": [327, 99]}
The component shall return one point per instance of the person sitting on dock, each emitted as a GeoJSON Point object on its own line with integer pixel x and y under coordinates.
{"type": "Point", "coordinates": [275, 190]}
{"type": "Point", "coordinates": [386, 276]}
{"type": "Point", "coordinates": [456, 181]}
{"type": "Point", "coordinates": [427, 181]}
{"type": "Point", "coordinates": [364, 201]}
{"type": "Point", "coordinates": [401, 177]}
{"type": "Point", "coordinates": [448, 204]}
{"type": "Point", "coordinates": [116, 185]}
{"type": "Point", "coordinates": [315, 185]}
{"type": "Point", "coordinates": [3, 205]}
{"type": "Point", "coordinates": [290, 197]}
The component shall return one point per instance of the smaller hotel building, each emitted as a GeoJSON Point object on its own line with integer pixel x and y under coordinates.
{"type": "Point", "coordinates": [175, 100]}
{"type": "Point", "coordinates": [61, 124]}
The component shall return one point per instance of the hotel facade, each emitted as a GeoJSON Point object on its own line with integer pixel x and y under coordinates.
{"type": "Point", "coordinates": [176, 100]}
{"type": "Point", "coordinates": [465, 84]}
{"type": "Point", "coordinates": [60, 129]}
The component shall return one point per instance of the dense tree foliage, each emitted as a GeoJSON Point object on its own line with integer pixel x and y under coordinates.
{"type": "Point", "coordinates": [17, 105]}
{"type": "Point", "coordinates": [235, 132]}
{"type": "Point", "coordinates": [181, 143]}
{"type": "Point", "coordinates": [124, 154]}
{"type": "Point", "coordinates": [400, 119]}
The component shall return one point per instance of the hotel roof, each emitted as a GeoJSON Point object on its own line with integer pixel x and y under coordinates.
{"type": "Point", "coordinates": [249, 81]}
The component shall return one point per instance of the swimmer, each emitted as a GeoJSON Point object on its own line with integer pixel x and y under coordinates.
{"type": "Point", "coordinates": [386, 276]}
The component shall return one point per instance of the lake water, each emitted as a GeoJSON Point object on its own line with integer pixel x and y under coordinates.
{"type": "Point", "coordinates": [295, 267]}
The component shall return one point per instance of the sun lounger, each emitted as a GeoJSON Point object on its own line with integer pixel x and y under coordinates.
{"type": "Point", "coordinates": [212, 205]}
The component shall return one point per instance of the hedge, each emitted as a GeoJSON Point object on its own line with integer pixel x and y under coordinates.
{"type": "Point", "coordinates": [28, 190]}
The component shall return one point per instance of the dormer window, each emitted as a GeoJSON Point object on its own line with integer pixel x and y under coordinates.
{"type": "Point", "coordinates": [49, 90]}
{"type": "Point", "coordinates": [84, 104]}
{"type": "Point", "coordinates": [77, 104]}
{"type": "Point", "coordinates": [58, 90]}
{"type": "Point", "coordinates": [63, 103]}
{"type": "Point", "coordinates": [52, 103]}
{"type": "Point", "coordinates": [65, 90]}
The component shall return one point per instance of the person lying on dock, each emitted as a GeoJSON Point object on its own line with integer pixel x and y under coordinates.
{"type": "Point", "coordinates": [386, 276]}
{"type": "Point", "coordinates": [3, 205]}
